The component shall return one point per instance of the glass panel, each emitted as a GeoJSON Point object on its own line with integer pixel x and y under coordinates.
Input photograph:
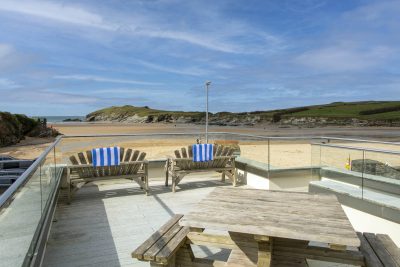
{"type": "Point", "coordinates": [365, 144]}
{"type": "Point", "coordinates": [19, 221]}
{"type": "Point", "coordinates": [315, 161]}
{"type": "Point", "coordinates": [289, 153]}
{"type": "Point", "coordinates": [245, 147]}
{"type": "Point", "coordinates": [341, 170]}
{"type": "Point", "coordinates": [382, 178]}
{"type": "Point", "coordinates": [48, 178]}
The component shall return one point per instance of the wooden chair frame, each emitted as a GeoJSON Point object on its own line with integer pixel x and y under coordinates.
{"type": "Point", "coordinates": [182, 164]}
{"type": "Point", "coordinates": [133, 166]}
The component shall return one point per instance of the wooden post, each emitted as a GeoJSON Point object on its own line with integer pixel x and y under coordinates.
{"type": "Point", "coordinates": [166, 172]}
{"type": "Point", "coordinates": [146, 173]}
{"type": "Point", "coordinates": [69, 184]}
{"type": "Point", "coordinates": [234, 173]}
{"type": "Point", "coordinates": [264, 253]}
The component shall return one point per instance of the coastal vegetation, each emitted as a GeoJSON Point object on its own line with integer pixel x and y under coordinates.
{"type": "Point", "coordinates": [14, 128]}
{"type": "Point", "coordinates": [338, 113]}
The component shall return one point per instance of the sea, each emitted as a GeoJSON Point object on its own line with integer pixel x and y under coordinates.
{"type": "Point", "coordinates": [61, 119]}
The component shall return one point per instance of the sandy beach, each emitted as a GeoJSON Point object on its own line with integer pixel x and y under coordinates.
{"type": "Point", "coordinates": [282, 153]}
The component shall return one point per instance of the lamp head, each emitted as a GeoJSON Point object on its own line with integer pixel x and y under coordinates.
{"type": "Point", "coordinates": [208, 83]}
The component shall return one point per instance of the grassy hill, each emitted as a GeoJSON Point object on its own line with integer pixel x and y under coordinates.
{"type": "Point", "coordinates": [367, 110]}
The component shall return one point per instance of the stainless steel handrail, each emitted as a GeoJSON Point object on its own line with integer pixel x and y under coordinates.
{"type": "Point", "coordinates": [239, 134]}
{"type": "Point", "coordinates": [10, 192]}
{"type": "Point", "coordinates": [361, 140]}
{"type": "Point", "coordinates": [359, 148]}
{"type": "Point", "coordinates": [7, 195]}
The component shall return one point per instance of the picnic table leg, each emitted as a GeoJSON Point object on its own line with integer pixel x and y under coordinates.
{"type": "Point", "coordinates": [264, 252]}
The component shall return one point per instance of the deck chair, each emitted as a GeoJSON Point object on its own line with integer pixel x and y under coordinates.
{"type": "Point", "coordinates": [132, 166]}
{"type": "Point", "coordinates": [182, 164]}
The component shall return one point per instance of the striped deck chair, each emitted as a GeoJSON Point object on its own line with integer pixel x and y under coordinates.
{"type": "Point", "coordinates": [132, 166]}
{"type": "Point", "coordinates": [182, 164]}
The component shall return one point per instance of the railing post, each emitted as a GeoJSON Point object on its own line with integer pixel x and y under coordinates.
{"type": "Point", "coordinates": [269, 158]}
{"type": "Point", "coordinates": [362, 175]}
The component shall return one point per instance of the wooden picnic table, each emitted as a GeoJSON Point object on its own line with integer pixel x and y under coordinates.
{"type": "Point", "coordinates": [264, 225]}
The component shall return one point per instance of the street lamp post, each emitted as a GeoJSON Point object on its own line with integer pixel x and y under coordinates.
{"type": "Point", "coordinates": [207, 85]}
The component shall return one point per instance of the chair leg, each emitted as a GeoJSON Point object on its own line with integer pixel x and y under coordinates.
{"type": "Point", "coordinates": [69, 194]}
{"type": "Point", "coordinates": [147, 185]}
{"type": "Point", "coordinates": [146, 178]}
{"type": "Point", "coordinates": [173, 183]}
{"type": "Point", "coordinates": [69, 185]}
{"type": "Point", "coordinates": [223, 177]}
{"type": "Point", "coordinates": [166, 172]}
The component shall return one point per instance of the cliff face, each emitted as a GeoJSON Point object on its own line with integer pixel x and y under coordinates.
{"type": "Point", "coordinates": [14, 128]}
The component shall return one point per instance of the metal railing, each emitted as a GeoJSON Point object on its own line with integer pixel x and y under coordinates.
{"type": "Point", "coordinates": [269, 143]}
{"type": "Point", "coordinates": [367, 168]}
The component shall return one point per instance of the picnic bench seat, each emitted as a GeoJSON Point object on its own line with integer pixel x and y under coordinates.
{"type": "Point", "coordinates": [132, 166]}
{"type": "Point", "coordinates": [379, 250]}
{"type": "Point", "coordinates": [161, 247]}
{"type": "Point", "coordinates": [182, 164]}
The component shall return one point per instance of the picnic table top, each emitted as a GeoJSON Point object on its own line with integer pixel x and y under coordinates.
{"type": "Point", "coordinates": [293, 215]}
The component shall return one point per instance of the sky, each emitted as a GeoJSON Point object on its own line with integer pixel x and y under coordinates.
{"type": "Point", "coordinates": [73, 57]}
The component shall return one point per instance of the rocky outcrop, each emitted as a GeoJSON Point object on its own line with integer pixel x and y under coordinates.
{"type": "Point", "coordinates": [321, 121]}
{"type": "Point", "coordinates": [285, 117]}
{"type": "Point", "coordinates": [14, 128]}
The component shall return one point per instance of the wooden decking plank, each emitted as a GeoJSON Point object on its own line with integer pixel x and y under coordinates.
{"type": "Point", "coordinates": [379, 250]}
{"type": "Point", "coordinates": [390, 246]}
{"type": "Point", "coordinates": [139, 252]}
{"type": "Point", "coordinates": [371, 260]}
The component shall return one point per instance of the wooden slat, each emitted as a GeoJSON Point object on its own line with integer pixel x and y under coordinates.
{"type": "Point", "coordinates": [136, 167]}
{"type": "Point", "coordinates": [379, 250]}
{"type": "Point", "coordinates": [87, 171]}
{"type": "Point", "coordinates": [90, 161]}
{"type": "Point", "coordinates": [190, 151]}
{"type": "Point", "coordinates": [126, 158]}
{"type": "Point", "coordinates": [220, 241]}
{"type": "Point", "coordinates": [390, 246]}
{"type": "Point", "coordinates": [75, 162]}
{"type": "Point", "coordinates": [151, 253]}
{"type": "Point", "coordinates": [301, 249]}
{"type": "Point", "coordinates": [173, 245]}
{"type": "Point", "coordinates": [371, 259]}
{"type": "Point", "coordinates": [139, 252]}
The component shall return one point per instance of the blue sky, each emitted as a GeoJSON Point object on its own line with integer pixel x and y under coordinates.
{"type": "Point", "coordinates": [73, 57]}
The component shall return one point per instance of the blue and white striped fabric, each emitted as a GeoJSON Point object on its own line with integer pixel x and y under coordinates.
{"type": "Point", "coordinates": [203, 152]}
{"type": "Point", "coordinates": [106, 156]}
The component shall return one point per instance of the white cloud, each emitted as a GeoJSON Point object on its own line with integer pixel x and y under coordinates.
{"type": "Point", "coordinates": [193, 71]}
{"type": "Point", "coordinates": [56, 11]}
{"type": "Point", "coordinates": [7, 84]}
{"type": "Point", "coordinates": [342, 58]}
{"type": "Point", "coordinates": [93, 78]}
{"type": "Point", "coordinates": [5, 50]}
{"type": "Point", "coordinates": [218, 39]}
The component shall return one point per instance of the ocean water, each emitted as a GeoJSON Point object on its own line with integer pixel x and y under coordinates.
{"type": "Point", "coordinates": [60, 119]}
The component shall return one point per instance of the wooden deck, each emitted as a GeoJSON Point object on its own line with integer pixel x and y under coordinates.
{"type": "Point", "coordinates": [107, 220]}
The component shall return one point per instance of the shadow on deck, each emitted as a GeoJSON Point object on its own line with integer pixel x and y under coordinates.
{"type": "Point", "coordinates": [107, 220]}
